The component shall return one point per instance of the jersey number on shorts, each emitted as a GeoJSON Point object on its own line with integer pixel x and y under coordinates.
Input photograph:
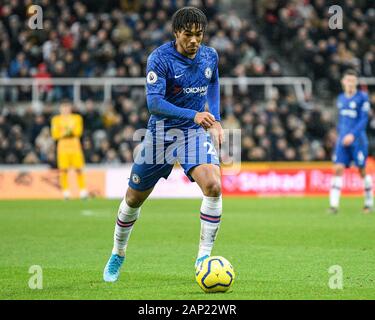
{"type": "Point", "coordinates": [211, 149]}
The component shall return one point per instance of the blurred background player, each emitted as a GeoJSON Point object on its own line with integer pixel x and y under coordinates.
{"type": "Point", "coordinates": [352, 143]}
{"type": "Point", "coordinates": [67, 129]}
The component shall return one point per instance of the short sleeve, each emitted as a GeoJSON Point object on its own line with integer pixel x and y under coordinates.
{"type": "Point", "coordinates": [156, 74]}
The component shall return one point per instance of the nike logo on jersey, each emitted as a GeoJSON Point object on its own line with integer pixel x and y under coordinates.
{"type": "Point", "coordinates": [176, 77]}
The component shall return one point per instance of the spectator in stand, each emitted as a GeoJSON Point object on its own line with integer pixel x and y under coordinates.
{"type": "Point", "coordinates": [278, 130]}
{"type": "Point", "coordinates": [44, 144]}
{"type": "Point", "coordinates": [92, 118]}
{"type": "Point", "coordinates": [300, 30]}
{"type": "Point", "coordinates": [18, 64]}
{"type": "Point", "coordinates": [45, 90]}
{"type": "Point", "coordinates": [87, 43]}
{"type": "Point", "coordinates": [79, 41]}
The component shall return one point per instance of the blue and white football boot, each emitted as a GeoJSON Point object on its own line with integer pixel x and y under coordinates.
{"type": "Point", "coordinates": [200, 260]}
{"type": "Point", "coordinates": [112, 269]}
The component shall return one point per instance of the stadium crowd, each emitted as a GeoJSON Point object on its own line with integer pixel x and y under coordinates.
{"type": "Point", "coordinates": [301, 31]}
{"type": "Point", "coordinates": [79, 40]}
{"type": "Point", "coordinates": [279, 130]}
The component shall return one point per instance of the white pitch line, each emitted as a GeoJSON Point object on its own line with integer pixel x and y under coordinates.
{"type": "Point", "coordinates": [87, 213]}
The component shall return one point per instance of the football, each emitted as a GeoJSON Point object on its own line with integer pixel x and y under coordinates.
{"type": "Point", "coordinates": [215, 274]}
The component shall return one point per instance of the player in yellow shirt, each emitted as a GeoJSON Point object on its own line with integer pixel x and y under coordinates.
{"type": "Point", "coordinates": [67, 129]}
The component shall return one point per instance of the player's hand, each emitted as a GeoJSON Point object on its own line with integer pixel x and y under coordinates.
{"type": "Point", "coordinates": [68, 132]}
{"type": "Point", "coordinates": [217, 135]}
{"type": "Point", "coordinates": [348, 139]}
{"type": "Point", "coordinates": [204, 119]}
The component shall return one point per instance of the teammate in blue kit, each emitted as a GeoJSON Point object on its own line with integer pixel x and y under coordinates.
{"type": "Point", "coordinates": [182, 76]}
{"type": "Point", "coordinates": [352, 145]}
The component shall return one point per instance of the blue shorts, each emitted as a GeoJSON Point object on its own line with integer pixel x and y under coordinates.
{"type": "Point", "coordinates": [356, 153]}
{"type": "Point", "coordinates": [156, 158]}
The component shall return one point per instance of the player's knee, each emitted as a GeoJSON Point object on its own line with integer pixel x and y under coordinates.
{"type": "Point", "coordinates": [362, 172]}
{"type": "Point", "coordinates": [134, 199]}
{"type": "Point", "coordinates": [212, 188]}
{"type": "Point", "coordinates": [339, 170]}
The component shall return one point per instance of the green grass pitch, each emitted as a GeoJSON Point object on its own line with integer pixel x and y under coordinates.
{"type": "Point", "coordinates": [281, 248]}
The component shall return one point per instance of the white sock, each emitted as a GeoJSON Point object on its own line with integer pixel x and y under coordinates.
{"type": "Point", "coordinates": [369, 200]}
{"type": "Point", "coordinates": [211, 210]}
{"type": "Point", "coordinates": [126, 218]}
{"type": "Point", "coordinates": [83, 194]}
{"type": "Point", "coordinates": [66, 194]}
{"type": "Point", "coordinates": [334, 195]}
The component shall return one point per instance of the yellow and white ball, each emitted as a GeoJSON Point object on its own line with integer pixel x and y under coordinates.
{"type": "Point", "coordinates": [215, 274]}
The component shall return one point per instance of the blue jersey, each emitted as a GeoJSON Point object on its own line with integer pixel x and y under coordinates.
{"type": "Point", "coordinates": [353, 116]}
{"type": "Point", "coordinates": [178, 87]}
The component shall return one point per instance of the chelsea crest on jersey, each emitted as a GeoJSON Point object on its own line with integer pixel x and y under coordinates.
{"type": "Point", "coordinates": [181, 81]}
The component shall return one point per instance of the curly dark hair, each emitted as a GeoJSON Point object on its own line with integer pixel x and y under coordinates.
{"type": "Point", "coordinates": [186, 17]}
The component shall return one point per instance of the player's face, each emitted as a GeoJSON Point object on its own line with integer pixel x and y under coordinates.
{"type": "Point", "coordinates": [189, 40]}
{"type": "Point", "coordinates": [349, 83]}
{"type": "Point", "coordinates": [65, 109]}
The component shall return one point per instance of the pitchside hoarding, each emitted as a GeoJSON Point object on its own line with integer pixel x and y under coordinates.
{"type": "Point", "coordinates": [288, 182]}
{"type": "Point", "coordinates": [251, 179]}
{"type": "Point", "coordinates": [177, 185]}
{"type": "Point", "coordinates": [27, 182]}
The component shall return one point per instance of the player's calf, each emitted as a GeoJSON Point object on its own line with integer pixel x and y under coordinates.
{"type": "Point", "coordinates": [368, 193]}
{"type": "Point", "coordinates": [336, 186]}
{"type": "Point", "coordinates": [64, 183]}
{"type": "Point", "coordinates": [208, 178]}
{"type": "Point", "coordinates": [335, 192]}
{"type": "Point", "coordinates": [210, 216]}
{"type": "Point", "coordinates": [126, 218]}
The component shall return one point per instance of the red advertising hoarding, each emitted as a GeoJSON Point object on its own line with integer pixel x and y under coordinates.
{"type": "Point", "coordinates": [284, 179]}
